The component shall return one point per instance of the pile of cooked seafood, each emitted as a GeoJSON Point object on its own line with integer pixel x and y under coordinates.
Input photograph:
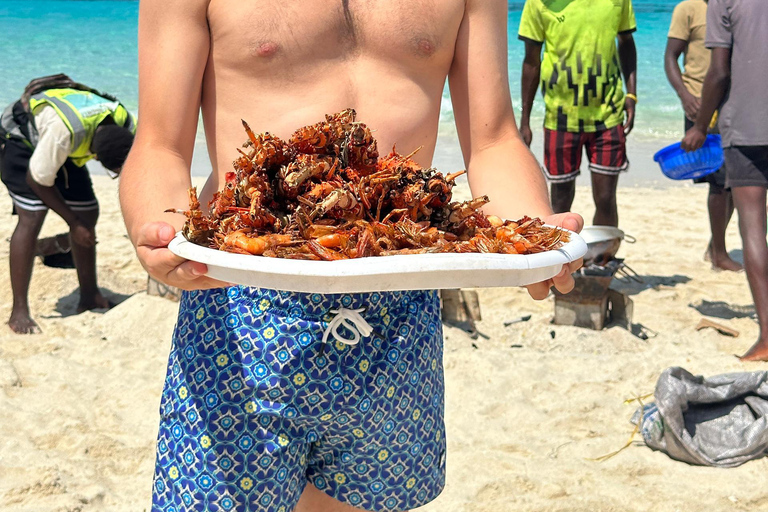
{"type": "Point", "coordinates": [325, 194]}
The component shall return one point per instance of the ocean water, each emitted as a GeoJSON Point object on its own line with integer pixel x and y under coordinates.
{"type": "Point", "coordinates": [95, 43]}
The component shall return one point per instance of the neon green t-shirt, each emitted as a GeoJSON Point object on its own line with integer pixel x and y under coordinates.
{"type": "Point", "coordinates": [580, 72]}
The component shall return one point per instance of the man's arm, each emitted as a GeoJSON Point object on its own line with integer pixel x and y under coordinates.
{"type": "Point", "coordinates": [691, 104]}
{"type": "Point", "coordinates": [173, 50]}
{"type": "Point", "coordinates": [50, 154]}
{"type": "Point", "coordinates": [716, 85]}
{"type": "Point", "coordinates": [499, 164]}
{"type": "Point", "coordinates": [628, 60]}
{"type": "Point", "coordinates": [529, 84]}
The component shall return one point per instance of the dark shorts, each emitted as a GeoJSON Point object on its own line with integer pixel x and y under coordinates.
{"type": "Point", "coordinates": [73, 181]}
{"type": "Point", "coordinates": [717, 178]}
{"type": "Point", "coordinates": [255, 404]}
{"type": "Point", "coordinates": [747, 166]}
{"type": "Point", "coordinates": [606, 150]}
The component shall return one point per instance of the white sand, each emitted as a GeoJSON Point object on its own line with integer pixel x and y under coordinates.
{"type": "Point", "coordinates": [525, 410]}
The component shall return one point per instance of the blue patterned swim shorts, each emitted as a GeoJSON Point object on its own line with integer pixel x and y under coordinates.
{"type": "Point", "coordinates": [255, 405]}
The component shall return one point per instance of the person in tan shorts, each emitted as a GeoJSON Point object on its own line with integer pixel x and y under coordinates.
{"type": "Point", "coordinates": [686, 36]}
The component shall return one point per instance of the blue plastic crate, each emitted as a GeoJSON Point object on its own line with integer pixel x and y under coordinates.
{"type": "Point", "coordinates": [679, 165]}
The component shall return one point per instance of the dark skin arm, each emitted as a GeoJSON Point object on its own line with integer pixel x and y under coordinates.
{"type": "Point", "coordinates": [691, 104]}
{"type": "Point", "coordinates": [81, 232]}
{"type": "Point", "coordinates": [716, 85]}
{"type": "Point", "coordinates": [529, 86]}
{"type": "Point", "coordinates": [628, 60]}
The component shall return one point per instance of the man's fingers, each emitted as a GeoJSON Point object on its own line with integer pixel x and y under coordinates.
{"type": "Point", "coordinates": [186, 273]}
{"type": "Point", "coordinates": [156, 234]}
{"type": "Point", "coordinates": [160, 260]}
{"type": "Point", "coordinates": [176, 271]}
{"type": "Point", "coordinates": [190, 275]}
{"type": "Point", "coordinates": [630, 123]}
{"type": "Point", "coordinates": [152, 248]}
{"type": "Point", "coordinates": [539, 291]}
{"type": "Point", "coordinates": [564, 281]}
{"type": "Point", "coordinates": [575, 265]}
{"type": "Point", "coordinates": [569, 220]}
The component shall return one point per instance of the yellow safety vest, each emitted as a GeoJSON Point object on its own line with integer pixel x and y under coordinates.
{"type": "Point", "coordinates": [82, 112]}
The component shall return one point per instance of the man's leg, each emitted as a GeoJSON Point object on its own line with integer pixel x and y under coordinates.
{"type": "Point", "coordinates": [604, 194]}
{"type": "Point", "coordinates": [607, 154]}
{"type": "Point", "coordinates": [22, 259]}
{"type": "Point", "coordinates": [562, 196]}
{"type": "Point", "coordinates": [314, 500]}
{"type": "Point", "coordinates": [562, 159]}
{"type": "Point", "coordinates": [77, 189]}
{"type": "Point", "coordinates": [85, 263]}
{"type": "Point", "coordinates": [750, 202]}
{"type": "Point", "coordinates": [720, 206]}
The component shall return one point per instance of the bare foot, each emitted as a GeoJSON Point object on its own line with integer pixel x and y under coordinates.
{"type": "Point", "coordinates": [22, 323]}
{"type": "Point", "coordinates": [97, 302]}
{"type": "Point", "coordinates": [726, 263]}
{"type": "Point", "coordinates": [758, 352]}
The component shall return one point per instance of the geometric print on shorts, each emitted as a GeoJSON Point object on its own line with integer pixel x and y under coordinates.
{"type": "Point", "coordinates": [252, 408]}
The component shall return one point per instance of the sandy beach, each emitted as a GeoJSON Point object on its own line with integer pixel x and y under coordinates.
{"type": "Point", "coordinates": [528, 406]}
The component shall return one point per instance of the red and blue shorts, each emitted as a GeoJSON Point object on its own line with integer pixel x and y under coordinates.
{"type": "Point", "coordinates": [606, 150]}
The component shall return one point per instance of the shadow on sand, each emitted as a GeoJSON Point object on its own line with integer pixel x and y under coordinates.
{"type": "Point", "coordinates": [720, 309]}
{"type": "Point", "coordinates": [630, 286]}
{"type": "Point", "coordinates": [67, 306]}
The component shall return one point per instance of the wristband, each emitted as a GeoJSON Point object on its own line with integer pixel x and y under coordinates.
{"type": "Point", "coordinates": [631, 96]}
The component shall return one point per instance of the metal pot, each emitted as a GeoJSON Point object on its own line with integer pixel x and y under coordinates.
{"type": "Point", "coordinates": [602, 243]}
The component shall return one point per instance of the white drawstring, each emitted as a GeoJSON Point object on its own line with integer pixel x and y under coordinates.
{"type": "Point", "coordinates": [351, 319]}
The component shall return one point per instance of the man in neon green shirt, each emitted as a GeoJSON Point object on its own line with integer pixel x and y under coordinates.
{"type": "Point", "coordinates": [586, 107]}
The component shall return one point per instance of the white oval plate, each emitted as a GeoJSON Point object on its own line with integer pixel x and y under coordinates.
{"type": "Point", "coordinates": [382, 273]}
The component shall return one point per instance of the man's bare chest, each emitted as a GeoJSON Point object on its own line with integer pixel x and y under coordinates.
{"type": "Point", "coordinates": [264, 34]}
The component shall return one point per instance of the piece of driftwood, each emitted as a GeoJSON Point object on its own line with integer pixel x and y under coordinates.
{"type": "Point", "coordinates": [722, 329]}
{"type": "Point", "coordinates": [460, 307]}
{"type": "Point", "coordinates": [158, 289]}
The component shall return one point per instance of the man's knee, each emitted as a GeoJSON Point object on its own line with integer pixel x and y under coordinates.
{"type": "Point", "coordinates": [605, 199]}
{"type": "Point", "coordinates": [563, 192]}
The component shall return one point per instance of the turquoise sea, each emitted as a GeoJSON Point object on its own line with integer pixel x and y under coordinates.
{"type": "Point", "coordinates": [95, 42]}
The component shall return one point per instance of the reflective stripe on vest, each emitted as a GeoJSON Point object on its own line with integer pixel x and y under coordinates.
{"type": "Point", "coordinates": [129, 124]}
{"type": "Point", "coordinates": [73, 119]}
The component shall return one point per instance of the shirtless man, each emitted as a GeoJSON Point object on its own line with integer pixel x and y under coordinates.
{"type": "Point", "coordinates": [253, 415]}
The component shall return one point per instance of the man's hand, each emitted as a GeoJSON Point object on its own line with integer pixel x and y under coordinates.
{"type": "Point", "coordinates": [629, 110]}
{"type": "Point", "coordinates": [163, 265]}
{"type": "Point", "coordinates": [694, 139]}
{"type": "Point", "coordinates": [526, 134]}
{"type": "Point", "coordinates": [563, 281]}
{"type": "Point", "coordinates": [691, 105]}
{"type": "Point", "coordinates": [82, 235]}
